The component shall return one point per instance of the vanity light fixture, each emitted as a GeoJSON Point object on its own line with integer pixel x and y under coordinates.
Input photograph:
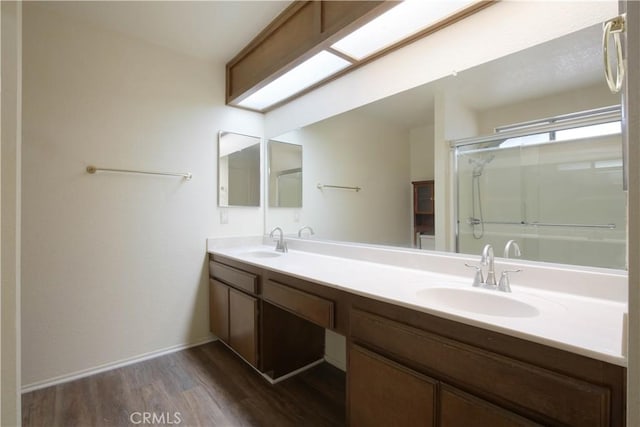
{"type": "Point", "coordinates": [311, 71]}
{"type": "Point", "coordinates": [312, 42]}
{"type": "Point", "coordinates": [395, 25]}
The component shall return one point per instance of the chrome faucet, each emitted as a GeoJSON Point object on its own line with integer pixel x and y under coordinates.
{"type": "Point", "coordinates": [505, 284]}
{"type": "Point", "coordinates": [281, 245]}
{"type": "Point", "coordinates": [487, 260]}
{"type": "Point", "coordinates": [516, 249]}
{"type": "Point", "coordinates": [306, 227]}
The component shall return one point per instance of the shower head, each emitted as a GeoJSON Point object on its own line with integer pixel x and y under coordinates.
{"type": "Point", "coordinates": [480, 163]}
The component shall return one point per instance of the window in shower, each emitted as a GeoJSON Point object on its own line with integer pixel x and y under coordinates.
{"type": "Point", "coordinates": [554, 186]}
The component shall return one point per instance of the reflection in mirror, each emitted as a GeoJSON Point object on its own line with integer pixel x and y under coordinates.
{"type": "Point", "coordinates": [385, 146]}
{"type": "Point", "coordinates": [285, 175]}
{"type": "Point", "coordinates": [554, 186]}
{"type": "Point", "coordinates": [238, 170]}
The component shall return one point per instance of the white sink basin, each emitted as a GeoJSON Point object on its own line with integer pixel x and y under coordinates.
{"type": "Point", "coordinates": [480, 301]}
{"type": "Point", "coordinates": [262, 254]}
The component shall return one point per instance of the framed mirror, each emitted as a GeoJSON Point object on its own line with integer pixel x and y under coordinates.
{"type": "Point", "coordinates": [285, 175]}
{"type": "Point", "coordinates": [238, 170]}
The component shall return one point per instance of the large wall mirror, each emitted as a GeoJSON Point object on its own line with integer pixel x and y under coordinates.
{"type": "Point", "coordinates": [285, 175]}
{"type": "Point", "coordinates": [559, 196]}
{"type": "Point", "coordinates": [238, 170]}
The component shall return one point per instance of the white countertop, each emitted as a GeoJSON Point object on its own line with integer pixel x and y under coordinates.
{"type": "Point", "coordinates": [590, 323]}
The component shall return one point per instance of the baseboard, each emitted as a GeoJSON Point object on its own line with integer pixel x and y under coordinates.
{"type": "Point", "coordinates": [338, 363]}
{"type": "Point", "coordinates": [293, 373]}
{"type": "Point", "coordinates": [113, 365]}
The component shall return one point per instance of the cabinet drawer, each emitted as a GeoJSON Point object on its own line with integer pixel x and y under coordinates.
{"type": "Point", "coordinates": [551, 397]}
{"type": "Point", "coordinates": [232, 276]}
{"type": "Point", "coordinates": [459, 409]}
{"type": "Point", "coordinates": [313, 308]}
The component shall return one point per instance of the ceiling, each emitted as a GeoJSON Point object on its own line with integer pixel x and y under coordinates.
{"type": "Point", "coordinates": [567, 63]}
{"type": "Point", "coordinates": [213, 30]}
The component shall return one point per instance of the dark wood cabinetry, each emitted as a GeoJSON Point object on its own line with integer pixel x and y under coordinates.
{"type": "Point", "coordinates": [458, 407]}
{"type": "Point", "coordinates": [253, 316]}
{"type": "Point", "coordinates": [478, 384]}
{"type": "Point", "coordinates": [233, 314]}
{"type": "Point", "coordinates": [423, 208]}
{"type": "Point", "coordinates": [406, 367]}
{"type": "Point", "coordinates": [243, 325]}
{"type": "Point", "coordinates": [384, 393]}
{"type": "Point", "coordinates": [311, 307]}
{"type": "Point", "coordinates": [219, 309]}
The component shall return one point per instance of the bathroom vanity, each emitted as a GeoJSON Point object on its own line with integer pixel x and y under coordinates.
{"type": "Point", "coordinates": [413, 356]}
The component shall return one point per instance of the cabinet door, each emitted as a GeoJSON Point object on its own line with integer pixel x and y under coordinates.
{"type": "Point", "coordinates": [384, 393]}
{"type": "Point", "coordinates": [243, 325]}
{"type": "Point", "coordinates": [423, 197]}
{"type": "Point", "coordinates": [459, 409]}
{"type": "Point", "coordinates": [219, 309]}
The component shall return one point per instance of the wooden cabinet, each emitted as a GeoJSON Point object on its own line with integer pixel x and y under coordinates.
{"type": "Point", "coordinates": [233, 314]}
{"type": "Point", "coordinates": [457, 408]}
{"type": "Point", "coordinates": [423, 208]}
{"type": "Point", "coordinates": [407, 367]}
{"type": "Point", "coordinates": [276, 328]}
{"type": "Point", "coordinates": [243, 325]}
{"type": "Point", "coordinates": [476, 384]}
{"type": "Point", "coordinates": [219, 309]}
{"type": "Point", "coordinates": [311, 307]}
{"type": "Point", "coordinates": [384, 393]}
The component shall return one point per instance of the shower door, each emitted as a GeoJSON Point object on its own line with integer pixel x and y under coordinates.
{"type": "Point", "coordinates": [557, 191]}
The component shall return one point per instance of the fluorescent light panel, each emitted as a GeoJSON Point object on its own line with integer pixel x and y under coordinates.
{"type": "Point", "coordinates": [313, 70]}
{"type": "Point", "coordinates": [400, 22]}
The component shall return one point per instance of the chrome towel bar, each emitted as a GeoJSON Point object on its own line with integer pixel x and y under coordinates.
{"type": "Point", "coordinates": [93, 169]}
{"type": "Point", "coordinates": [342, 187]}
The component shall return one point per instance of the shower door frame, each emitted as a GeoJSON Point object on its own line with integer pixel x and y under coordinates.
{"type": "Point", "coordinates": [568, 121]}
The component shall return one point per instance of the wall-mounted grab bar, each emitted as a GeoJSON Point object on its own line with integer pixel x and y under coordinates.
{"type": "Point", "coordinates": [342, 187]}
{"type": "Point", "coordinates": [476, 221]}
{"type": "Point", "coordinates": [93, 169]}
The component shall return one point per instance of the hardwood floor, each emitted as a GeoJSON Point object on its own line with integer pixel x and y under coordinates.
{"type": "Point", "coordinates": [202, 386]}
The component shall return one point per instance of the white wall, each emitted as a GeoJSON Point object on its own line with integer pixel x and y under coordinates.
{"type": "Point", "coordinates": [353, 150]}
{"type": "Point", "coordinates": [453, 121]}
{"type": "Point", "coordinates": [11, 24]}
{"type": "Point", "coordinates": [114, 264]}
{"type": "Point", "coordinates": [582, 99]}
{"type": "Point", "coordinates": [421, 152]}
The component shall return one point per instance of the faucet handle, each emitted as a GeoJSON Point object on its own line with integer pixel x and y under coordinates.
{"type": "Point", "coordinates": [478, 279]}
{"type": "Point", "coordinates": [505, 285]}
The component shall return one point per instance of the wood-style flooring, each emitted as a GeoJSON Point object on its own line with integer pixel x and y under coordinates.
{"type": "Point", "coordinates": [206, 385]}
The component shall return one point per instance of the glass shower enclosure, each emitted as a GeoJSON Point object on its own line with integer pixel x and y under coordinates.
{"type": "Point", "coordinates": [553, 185]}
